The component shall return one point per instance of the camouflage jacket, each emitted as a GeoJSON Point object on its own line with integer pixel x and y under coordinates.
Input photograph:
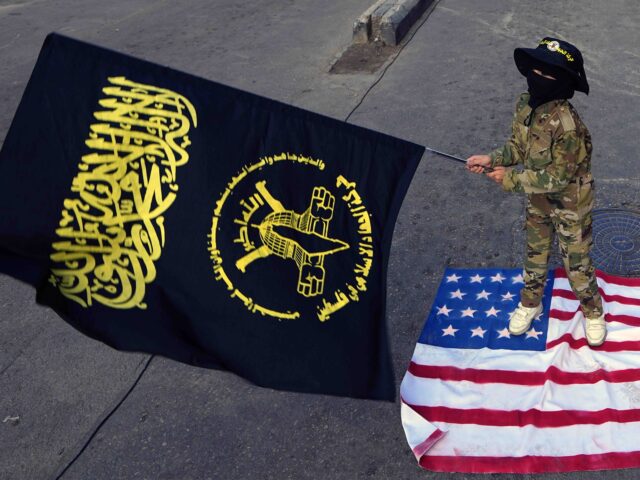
{"type": "Point", "coordinates": [555, 149]}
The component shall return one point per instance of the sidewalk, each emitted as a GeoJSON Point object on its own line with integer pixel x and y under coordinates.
{"type": "Point", "coordinates": [452, 87]}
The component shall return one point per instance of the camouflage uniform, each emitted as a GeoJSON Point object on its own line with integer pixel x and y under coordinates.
{"type": "Point", "coordinates": [555, 150]}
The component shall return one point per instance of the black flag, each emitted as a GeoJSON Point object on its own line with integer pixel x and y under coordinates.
{"type": "Point", "coordinates": [160, 212]}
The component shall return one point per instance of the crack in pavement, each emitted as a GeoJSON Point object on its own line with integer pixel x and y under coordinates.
{"type": "Point", "coordinates": [404, 43]}
{"type": "Point", "coordinates": [20, 353]}
{"type": "Point", "coordinates": [63, 467]}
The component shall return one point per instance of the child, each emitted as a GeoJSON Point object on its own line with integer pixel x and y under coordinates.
{"type": "Point", "coordinates": [554, 146]}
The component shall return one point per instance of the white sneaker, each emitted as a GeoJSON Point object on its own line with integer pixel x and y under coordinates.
{"type": "Point", "coordinates": [521, 318]}
{"type": "Point", "coordinates": [596, 330]}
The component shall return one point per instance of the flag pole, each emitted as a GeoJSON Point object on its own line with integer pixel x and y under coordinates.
{"type": "Point", "coordinates": [457, 159]}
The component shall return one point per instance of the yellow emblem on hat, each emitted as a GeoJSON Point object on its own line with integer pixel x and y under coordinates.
{"type": "Point", "coordinates": [553, 46]}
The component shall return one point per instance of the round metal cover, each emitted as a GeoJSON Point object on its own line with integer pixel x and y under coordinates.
{"type": "Point", "coordinates": [616, 241]}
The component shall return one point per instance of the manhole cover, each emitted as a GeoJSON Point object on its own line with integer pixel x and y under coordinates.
{"type": "Point", "coordinates": [616, 241]}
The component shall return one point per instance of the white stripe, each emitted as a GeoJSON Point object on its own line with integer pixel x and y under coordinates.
{"type": "Point", "coordinates": [616, 331]}
{"type": "Point", "coordinates": [609, 288]}
{"type": "Point", "coordinates": [551, 397]}
{"type": "Point", "coordinates": [479, 440]}
{"type": "Point", "coordinates": [558, 328]}
{"type": "Point", "coordinates": [614, 308]}
{"type": "Point", "coordinates": [565, 358]}
{"type": "Point", "coordinates": [617, 308]}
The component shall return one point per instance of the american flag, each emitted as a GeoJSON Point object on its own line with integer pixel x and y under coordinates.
{"type": "Point", "coordinates": [477, 399]}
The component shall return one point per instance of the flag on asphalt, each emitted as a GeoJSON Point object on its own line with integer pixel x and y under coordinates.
{"type": "Point", "coordinates": [476, 399]}
{"type": "Point", "coordinates": [160, 212]}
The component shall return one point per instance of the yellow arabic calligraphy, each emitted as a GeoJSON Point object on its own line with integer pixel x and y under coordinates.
{"type": "Point", "coordinates": [112, 230]}
{"type": "Point", "coordinates": [365, 250]}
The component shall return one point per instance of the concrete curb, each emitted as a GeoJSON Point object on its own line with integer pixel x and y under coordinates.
{"type": "Point", "coordinates": [362, 30]}
{"type": "Point", "coordinates": [388, 21]}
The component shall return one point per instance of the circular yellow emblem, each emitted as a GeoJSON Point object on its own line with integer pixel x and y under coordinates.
{"type": "Point", "coordinates": [290, 240]}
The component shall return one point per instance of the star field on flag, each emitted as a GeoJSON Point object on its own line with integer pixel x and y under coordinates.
{"type": "Point", "coordinates": [469, 302]}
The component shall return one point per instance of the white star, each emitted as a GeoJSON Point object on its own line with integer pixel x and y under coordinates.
{"type": "Point", "coordinates": [476, 278]}
{"type": "Point", "coordinates": [517, 279]}
{"type": "Point", "coordinates": [539, 316]}
{"type": "Point", "coordinates": [504, 333]}
{"type": "Point", "coordinates": [443, 310]}
{"type": "Point", "coordinates": [533, 333]}
{"type": "Point", "coordinates": [483, 294]}
{"type": "Point", "coordinates": [468, 312]}
{"type": "Point", "coordinates": [492, 312]}
{"type": "Point", "coordinates": [478, 332]}
{"type": "Point", "coordinates": [507, 297]}
{"type": "Point", "coordinates": [497, 278]}
{"type": "Point", "coordinates": [449, 331]}
{"type": "Point", "coordinates": [457, 294]}
{"type": "Point", "coordinates": [453, 278]}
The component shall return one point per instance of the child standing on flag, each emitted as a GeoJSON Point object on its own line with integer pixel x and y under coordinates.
{"type": "Point", "coordinates": [552, 143]}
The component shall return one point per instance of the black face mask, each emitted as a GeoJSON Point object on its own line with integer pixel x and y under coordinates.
{"type": "Point", "coordinates": [543, 90]}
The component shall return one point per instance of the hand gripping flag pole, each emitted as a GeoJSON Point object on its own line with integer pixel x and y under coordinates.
{"type": "Point", "coordinates": [457, 159]}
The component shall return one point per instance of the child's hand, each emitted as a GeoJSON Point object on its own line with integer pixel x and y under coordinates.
{"type": "Point", "coordinates": [477, 163]}
{"type": "Point", "coordinates": [497, 175]}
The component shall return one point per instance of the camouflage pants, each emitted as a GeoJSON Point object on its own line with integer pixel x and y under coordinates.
{"type": "Point", "coordinates": [570, 216]}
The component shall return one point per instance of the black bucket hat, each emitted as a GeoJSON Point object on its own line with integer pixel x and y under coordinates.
{"type": "Point", "coordinates": [557, 54]}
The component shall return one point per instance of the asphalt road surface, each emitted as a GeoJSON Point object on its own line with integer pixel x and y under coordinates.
{"type": "Point", "coordinates": [451, 87]}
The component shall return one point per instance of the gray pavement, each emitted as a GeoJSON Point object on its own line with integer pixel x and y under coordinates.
{"type": "Point", "coordinates": [452, 87]}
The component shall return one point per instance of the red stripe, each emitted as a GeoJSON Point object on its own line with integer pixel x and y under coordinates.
{"type": "Point", "coordinates": [626, 319]}
{"type": "Point", "coordinates": [422, 448]}
{"type": "Point", "coordinates": [627, 282]}
{"type": "Point", "coordinates": [531, 464]}
{"type": "Point", "coordinates": [564, 315]}
{"type": "Point", "coordinates": [569, 295]}
{"type": "Point", "coordinates": [562, 293]}
{"type": "Point", "coordinates": [620, 299]}
{"type": "Point", "coordinates": [575, 343]}
{"type": "Point", "coordinates": [520, 418]}
{"type": "Point", "coordinates": [552, 374]}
